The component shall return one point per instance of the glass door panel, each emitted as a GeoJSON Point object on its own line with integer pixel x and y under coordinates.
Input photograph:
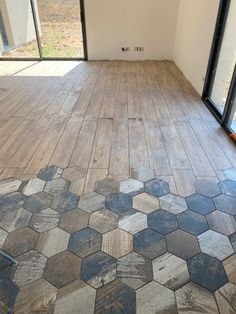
{"type": "Point", "coordinates": [60, 28]}
{"type": "Point", "coordinates": [17, 31]}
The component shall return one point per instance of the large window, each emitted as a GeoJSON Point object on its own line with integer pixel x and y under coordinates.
{"type": "Point", "coordinates": [42, 29]}
{"type": "Point", "coordinates": [220, 88]}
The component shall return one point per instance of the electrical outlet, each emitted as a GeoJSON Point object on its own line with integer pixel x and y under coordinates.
{"type": "Point", "coordinates": [139, 49]}
{"type": "Point", "coordinates": [124, 49]}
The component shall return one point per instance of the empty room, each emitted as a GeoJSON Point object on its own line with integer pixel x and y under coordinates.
{"type": "Point", "coordinates": [117, 157]}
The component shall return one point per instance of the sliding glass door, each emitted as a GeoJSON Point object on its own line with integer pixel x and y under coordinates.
{"type": "Point", "coordinates": [220, 87]}
{"type": "Point", "coordinates": [42, 29]}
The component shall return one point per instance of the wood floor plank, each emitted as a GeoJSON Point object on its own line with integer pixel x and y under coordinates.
{"type": "Point", "coordinates": [94, 175]}
{"type": "Point", "coordinates": [184, 180]}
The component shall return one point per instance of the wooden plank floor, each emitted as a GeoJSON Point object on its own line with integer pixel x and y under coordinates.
{"type": "Point", "coordinates": [106, 118]}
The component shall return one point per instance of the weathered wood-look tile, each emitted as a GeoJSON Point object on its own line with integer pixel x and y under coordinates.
{"type": "Point", "coordinates": [134, 270]}
{"type": "Point", "coordinates": [230, 268]}
{"type": "Point", "coordinates": [65, 202]}
{"type": "Point", "coordinates": [170, 271]}
{"type": "Point", "coordinates": [230, 174]}
{"type": "Point", "coordinates": [233, 241]}
{"type": "Point", "coordinates": [175, 245]}
{"type": "Point", "coordinates": [173, 203]}
{"type": "Point", "coordinates": [146, 203]}
{"type": "Point", "coordinates": [14, 219]}
{"type": "Point", "coordinates": [142, 174]}
{"type": "Point", "coordinates": [38, 296]}
{"type": "Point", "coordinates": [118, 202]}
{"type": "Point", "coordinates": [74, 220]}
{"type": "Point", "coordinates": [226, 204]}
{"type": "Point", "coordinates": [131, 186]}
{"type": "Point", "coordinates": [133, 221]}
{"type": "Point", "coordinates": [228, 187]}
{"type": "Point", "coordinates": [9, 186]}
{"type": "Point", "coordinates": [85, 242]}
{"type": "Point", "coordinates": [76, 297]}
{"type": "Point", "coordinates": [226, 299]}
{"type": "Point", "coordinates": [157, 188]}
{"type": "Point", "coordinates": [57, 186]}
{"type": "Point", "coordinates": [153, 298]}
{"type": "Point", "coordinates": [103, 220]}
{"type": "Point", "coordinates": [3, 236]}
{"type": "Point", "coordinates": [98, 269]}
{"type": "Point", "coordinates": [30, 268]}
{"type": "Point", "coordinates": [12, 200]}
{"type": "Point", "coordinates": [53, 242]}
{"type": "Point", "coordinates": [38, 202]}
{"type": "Point", "coordinates": [193, 299]}
{"type": "Point", "coordinates": [149, 243]}
{"type": "Point", "coordinates": [207, 188]}
{"type": "Point", "coordinates": [74, 173]}
{"type": "Point", "coordinates": [50, 173]}
{"type": "Point", "coordinates": [107, 186]}
{"type": "Point", "coordinates": [5, 268]}
{"type": "Point", "coordinates": [162, 221]}
{"type": "Point", "coordinates": [8, 294]}
{"type": "Point", "coordinates": [222, 222]}
{"type": "Point", "coordinates": [62, 269]}
{"type": "Point", "coordinates": [207, 271]}
{"type": "Point", "coordinates": [32, 186]}
{"type": "Point", "coordinates": [215, 244]}
{"type": "Point", "coordinates": [117, 243]}
{"type": "Point", "coordinates": [192, 222]}
{"type": "Point", "coordinates": [200, 203]}
{"type": "Point", "coordinates": [20, 241]}
{"type": "Point", "coordinates": [116, 298]}
{"type": "Point", "coordinates": [91, 202]}
{"type": "Point", "coordinates": [44, 220]}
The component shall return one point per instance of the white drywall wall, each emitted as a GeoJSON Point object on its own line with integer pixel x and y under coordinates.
{"type": "Point", "coordinates": [194, 34]}
{"type": "Point", "coordinates": [112, 24]}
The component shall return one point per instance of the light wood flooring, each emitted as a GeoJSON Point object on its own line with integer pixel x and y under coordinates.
{"type": "Point", "coordinates": [105, 118]}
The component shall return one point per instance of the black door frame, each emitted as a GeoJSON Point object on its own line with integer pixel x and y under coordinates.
{"type": "Point", "coordinates": [212, 67]}
{"type": "Point", "coordinates": [41, 57]}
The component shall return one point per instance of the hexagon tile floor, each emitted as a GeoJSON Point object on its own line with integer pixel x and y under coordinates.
{"type": "Point", "coordinates": [128, 247]}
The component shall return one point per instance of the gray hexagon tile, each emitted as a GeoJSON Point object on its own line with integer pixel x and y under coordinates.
{"type": "Point", "coordinates": [107, 186]}
{"type": "Point", "coordinates": [14, 219]}
{"type": "Point", "coordinates": [226, 204]}
{"type": "Point", "coordinates": [133, 221]}
{"type": "Point", "coordinates": [38, 202]}
{"type": "Point", "coordinates": [118, 202]}
{"type": "Point", "coordinates": [57, 186]}
{"type": "Point", "coordinates": [200, 203]}
{"type": "Point", "coordinates": [146, 203]}
{"type": "Point", "coordinates": [192, 222]}
{"type": "Point", "coordinates": [91, 202]}
{"type": "Point", "coordinates": [74, 220]}
{"type": "Point", "coordinates": [173, 203]}
{"type": "Point", "coordinates": [157, 188]}
{"type": "Point", "coordinates": [53, 242]}
{"type": "Point", "coordinates": [162, 221]}
{"type": "Point", "coordinates": [103, 220]}
{"type": "Point", "coordinates": [193, 299]}
{"type": "Point", "coordinates": [3, 236]}
{"type": "Point", "coordinates": [142, 174]}
{"type": "Point", "coordinates": [74, 296]}
{"type": "Point", "coordinates": [12, 200]}
{"type": "Point", "coordinates": [30, 267]}
{"type": "Point", "coordinates": [153, 298]}
{"type": "Point", "coordinates": [65, 202]}
{"type": "Point", "coordinates": [215, 244]}
{"type": "Point", "coordinates": [225, 298]}
{"type": "Point", "coordinates": [134, 270]}
{"type": "Point", "coordinates": [50, 173]}
{"type": "Point", "coordinates": [228, 187]}
{"type": "Point", "coordinates": [98, 269]}
{"type": "Point", "coordinates": [170, 271]}
{"type": "Point", "coordinates": [131, 186]}
{"type": "Point", "coordinates": [44, 220]}
{"type": "Point", "coordinates": [221, 222]}
{"type": "Point", "coordinates": [230, 174]}
{"type": "Point", "coordinates": [8, 294]}
{"type": "Point", "coordinates": [233, 241]}
{"type": "Point", "coordinates": [207, 188]}
{"type": "Point", "coordinates": [32, 186]}
{"type": "Point", "coordinates": [9, 186]}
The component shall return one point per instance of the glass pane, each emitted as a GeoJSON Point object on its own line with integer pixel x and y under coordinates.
{"type": "Point", "coordinates": [17, 31]}
{"type": "Point", "coordinates": [226, 61]}
{"type": "Point", "coordinates": [232, 118]}
{"type": "Point", "coordinates": [60, 28]}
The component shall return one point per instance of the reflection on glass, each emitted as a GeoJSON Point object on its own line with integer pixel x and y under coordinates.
{"type": "Point", "coordinates": [226, 63]}
{"type": "Point", "coordinates": [60, 28]}
{"type": "Point", "coordinates": [232, 118]}
{"type": "Point", "coordinates": [17, 32]}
